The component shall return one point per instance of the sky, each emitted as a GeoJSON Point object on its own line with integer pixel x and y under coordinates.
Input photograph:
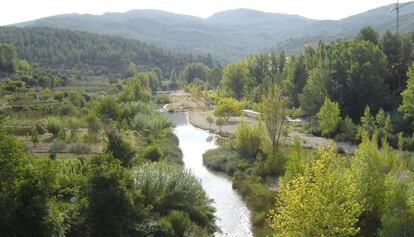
{"type": "Point", "coordinates": [14, 11]}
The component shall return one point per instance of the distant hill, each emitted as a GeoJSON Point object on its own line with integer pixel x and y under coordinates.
{"type": "Point", "coordinates": [228, 35]}
{"type": "Point", "coordinates": [89, 52]}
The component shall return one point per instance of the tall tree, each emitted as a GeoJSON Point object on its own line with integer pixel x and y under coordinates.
{"type": "Point", "coordinates": [296, 79]}
{"type": "Point", "coordinates": [234, 78]}
{"type": "Point", "coordinates": [407, 105]}
{"type": "Point", "coordinates": [357, 76]}
{"type": "Point", "coordinates": [273, 113]}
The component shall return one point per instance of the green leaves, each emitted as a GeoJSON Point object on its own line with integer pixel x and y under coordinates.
{"type": "Point", "coordinates": [319, 202]}
{"type": "Point", "coordinates": [227, 107]}
{"type": "Point", "coordinates": [328, 117]}
{"type": "Point", "coordinates": [407, 105]}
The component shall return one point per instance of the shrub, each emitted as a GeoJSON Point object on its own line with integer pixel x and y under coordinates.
{"type": "Point", "coordinates": [168, 187]}
{"type": "Point", "coordinates": [94, 124]}
{"type": "Point", "coordinates": [221, 159]}
{"type": "Point", "coordinates": [247, 140]}
{"type": "Point", "coordinates": [162, 99]}
{"type": "Point", "coordinates": [54, 126]}
{"type": "Point", "coordinates": [153, 153]}
{"type": "Point", "coordinates": [347, 130]}
{"type": "Point", "coordinates": [56, 146]}
{"type": "Point", "coordinates": [80, 148]}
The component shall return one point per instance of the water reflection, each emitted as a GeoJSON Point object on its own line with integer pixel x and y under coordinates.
{"type": "Point", "coordinates": [232, 213]}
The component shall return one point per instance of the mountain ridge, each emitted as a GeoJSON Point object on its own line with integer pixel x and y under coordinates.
{"type": "Point", "coordinates": [227, 35]}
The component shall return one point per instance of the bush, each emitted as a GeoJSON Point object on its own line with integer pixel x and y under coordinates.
{"type": "Point", "coordinates": [56, 147]}
{"type": "Point", "coordinates": [80, 148]}
{"type": "Point", "coordinates": [221, 159]}
{"type": "Point", "coordinates": [247, 140]}
{"type": "Point", "coordinates": [347, 130]}
{"type": "Point", "coordinates": [162, 99]}
{"type": "Point", "coordinates": [168, 187]}
{"type": "Point", "coordinates": [54, 126]}
{"type": "Point", "coordinates": [409, 143]}
{"type": "Point", "coordinates": [153, 153]}
{"type": "Point", "coordinates": [18, 130]}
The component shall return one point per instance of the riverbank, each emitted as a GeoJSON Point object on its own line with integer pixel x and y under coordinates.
{"type": "Point", "coordinates": [199, 109]}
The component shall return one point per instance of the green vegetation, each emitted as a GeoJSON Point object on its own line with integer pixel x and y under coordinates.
{"type": "Point", "coordinates": [92, 158]}
{"type": "Point", "coordinates": [90, 54]}
{"type": "Point", "coordinates": [228, 35]}
{"type": "Point", "coordinates": [357, 91]}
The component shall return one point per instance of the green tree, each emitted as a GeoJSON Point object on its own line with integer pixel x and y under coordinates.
{"type": "Point", "coordinates": [273, 113]}
{"type": "Point", "coordinates": [328, 117]}
{"type": "Point", "coordinates": [304, 207]}
{"type": "Point", "coordinates": [226, 108]}
{"type": "Point", "coordinates": [234, 77]}
{"type": "Point", "coordinates": [108, 108]}
{"type": "Point", "coordinates": [314, 92]}
{"type": "Point", "coordinates": [369, 167]}
{"type": "Point", "coordinates": [407, 105]}
{"type": "Point", "coordinates": [369, 34]}
{"type": "Point", "coordinates": [26, 184]}
{"type": "Point", "coordinates": [173, 80]}
{"type": "Point", "coordinates": [214, 77]}
{"type": "Point", "coordinates": [8, 58]}
{"type": "Point", "coordinates": [195, 70]}
{"type": "Point", "coordinates": [357, 76]}
{"type": "Point", "coordinates": [120, 149]}
{"type": "Point", "coordinates": [398, 212]}
{"type": "Point", "coordinates": [114, 205]}
{"type": "Point", "coordinates": [135, 89]}
{"type": "Point", "coordinates": [296, 79]}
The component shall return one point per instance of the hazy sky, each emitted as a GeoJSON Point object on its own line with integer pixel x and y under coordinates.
{"type": "Point", "coordinates": [13, 11]}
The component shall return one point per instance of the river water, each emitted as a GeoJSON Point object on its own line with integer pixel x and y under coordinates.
{"type": "Point", "coordinates": [233, 216]}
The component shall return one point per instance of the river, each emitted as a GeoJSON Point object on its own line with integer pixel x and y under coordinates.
{"type": "Point", "coordinates": [233, 216]}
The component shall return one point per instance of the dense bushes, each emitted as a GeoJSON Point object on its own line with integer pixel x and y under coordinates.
{"type": "Point", "coordinates": [221, 159]}
{"type": "Point", "coordinates": [168, 187]}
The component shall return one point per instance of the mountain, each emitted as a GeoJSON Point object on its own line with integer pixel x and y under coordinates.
{"type": "Point", "coordinates": [228, 35]}
{"type": "Point", "coordinates": [88, 52]}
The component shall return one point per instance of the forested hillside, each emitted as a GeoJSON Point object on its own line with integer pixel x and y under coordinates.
{"type": "Point", "coordinates": [228, 35]}
{"type": "Point", "coordinates": [90, 53]}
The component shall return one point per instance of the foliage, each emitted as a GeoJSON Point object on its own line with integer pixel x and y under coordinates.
{"type": "Point", "coordinates": [195, 71]}
{"type": "Point", "coordinates": [8, 58]}
{"type": "Point", "coordinates": [333, 213]}
{"type": "Point", "coordinates": [90, 53]}
{"type": "Point", "coordinates": [114, 205]}
{"type": "Point", "coordinates": [328, 117]}
{"type": "Point", "coordinates": [120, 149]}
{"type": "Point", "coordinates": [227, 107]}
{"type": "Point", "coordinates": [167, 187]}
{"type": "Point", "coordinates": [248, 140]}
{"type": "Point", "coordinates": [398, 212]}
{"type": "Point", "coordinates": [233, 80]}
{"type": "Point", "coordinates": [407, 105]}
{"type": "Point", "coordinates": [273, 113]}
{"type": "Point", "coordinates": [108, 108]}
{"type": "Point", "coordinates": [54, 126]}
{"type": "Point", "coordinates": [153, 153]}
{"type": "Point", "coordinates": [26, 184]}
{"type": "Point", "coordinates": [79, 148]}
{"type": "Point", "coordinates": [368, 34]}
{"type": "Point", "coordinates": [221, 159]}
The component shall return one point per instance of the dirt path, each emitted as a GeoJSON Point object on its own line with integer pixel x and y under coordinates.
{"type": "Point", "coordinates": [199, 110]}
